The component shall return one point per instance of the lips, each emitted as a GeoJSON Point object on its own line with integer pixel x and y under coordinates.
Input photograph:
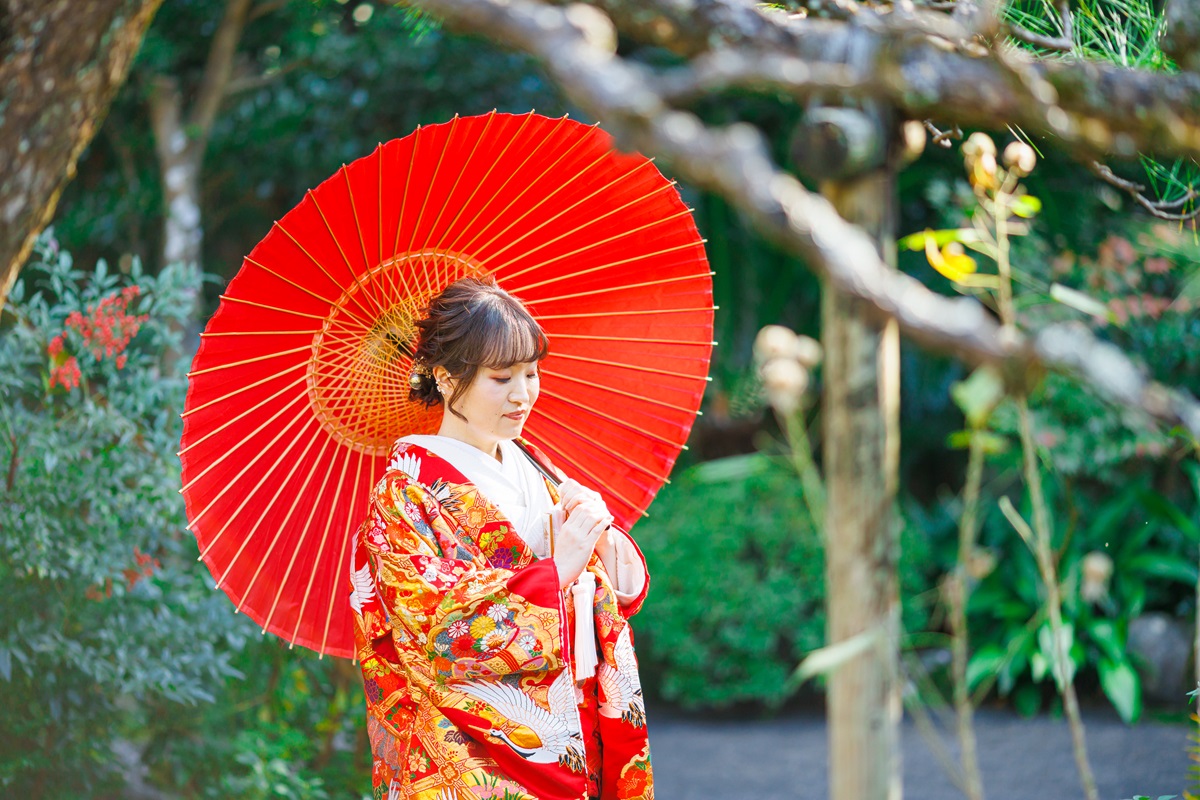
{"type": "Point", "coordinates": [517, 416]}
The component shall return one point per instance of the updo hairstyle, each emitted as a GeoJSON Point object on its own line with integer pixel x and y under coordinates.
{"type": "Point", "coordinates": [473, 323]}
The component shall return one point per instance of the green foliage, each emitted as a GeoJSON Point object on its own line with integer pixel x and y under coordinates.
{"type": "Point", "coordinates": [737, 591]}
{"type": "Point", "coordinates": [104, 604]}
{"type": "Point", "coordinates": [1124, 556]}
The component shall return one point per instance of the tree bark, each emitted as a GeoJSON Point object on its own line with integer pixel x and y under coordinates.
{"type": "Point", "coordinates": [861, 446]}
{"type": "Point", "coordinates": [181, 143]}
{"type": "Point", "coordinates": [61, 63]}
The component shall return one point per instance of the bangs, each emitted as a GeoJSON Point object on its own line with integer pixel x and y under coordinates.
{"type": "Point", "coordinates": [506, 335]}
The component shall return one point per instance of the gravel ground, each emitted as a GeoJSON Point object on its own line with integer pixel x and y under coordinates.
{"type": "Point", "coordinates": [785, 757]}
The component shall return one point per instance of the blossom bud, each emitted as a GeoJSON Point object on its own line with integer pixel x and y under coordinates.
{"type": "Point", "coordinates": [1020, 158]}
{"type": "Point", "coordinates": [980, 564]}
{"type": "Point", "coordinates": [1097, 570]}
{"type": "Point", "coordinates": [774, 341]}
{"type": "Point", "coordinates": [808, 351]}
{"type": "Point", "coordinates": [979, 144]}
{"type": "Point", "coordinates": [784, 381]}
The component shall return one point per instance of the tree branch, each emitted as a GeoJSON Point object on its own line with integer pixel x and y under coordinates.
{"type": "Point", "coordinates": [1162, 209]}
{"type": "Point", "coordinates": [1094, 110]}
{"type": "Point", "coordinates": [733, 162]}
{"type": "Point", "coordinates": [218, 70]}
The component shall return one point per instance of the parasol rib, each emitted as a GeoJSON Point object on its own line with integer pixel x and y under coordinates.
{"type": "Point", "coordinates": [635, 367]}
{"type": "Point", "coordinates": [511, 176]}
{"type": "Point", "coordinates": [309, 292]}
{"type": "Point", "coordinates": [633, 313]}
{"type": "Point", "coordinates": [610, 453]}
{"type": "Point", "coordinates": [243, 414]}
{"type": "Point", "coordinates": [362, 290]}
{"type": "Point", "coordinates": [595, 480]}
{"type": "Point", "coordinates": [293, 312]}
{"type": "Point", "coordinates": [625, 287]}
{"type": "Point", "coordinates": [457, 179]}
{"type": "Point", "coordinates": [341, 288]}
{"type": "Point", "coordinates": [229, 519]}
{"type": "Point", "coordinates": [472, 248]}
{"type": "Point", "coordinates": [248, 536]}
{"type": "Point", "coordinates": [244, 361]}
{"type": "Point", "coordinates": [615, 420]}
{"type": "Point", "coordinates": [412, 236]}
{"type": "Point", "coordinates": [247, 387]}
{"type": "Point", "coordinates": [609, 265]}
{"type": "Point", "coordinates": [279, 529]}
{"type": "Point", "coordinates": [550, 220]}
{"type": "Point", "coordinates": [682, 342]}
{"type": "Point", "coordinates": [341, 560]}
{"type": "Point", "coordinates": [508, 143]}
{"type": "Point", "coordinates": [321, 548]}
{"type": "Point", "coordinates": [221, 458]}
{"type": "Point", "coordinates": [631, 395]}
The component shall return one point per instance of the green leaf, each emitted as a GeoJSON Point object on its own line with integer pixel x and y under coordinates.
{"type": "Point", "coordinates": [986, 662]}
{"type": "Point", "coordinates": [1104, 634]}
{"type": "Point", "coordinates": [733, 468]}
{"type": "Point", "coordinates": [1026, 206]}
{"type": "Point", "coordinates": [978, 395]}
{"type": "Point", "coordinates": [916, 241]}
{"type": "Point", "coordinates": [1079, 301]}
{"type": "Point", "coordinates": [1122, 687]}
{"type": "Point", "coordinates": [992, 443]}
{"type": "Point", "coordinates": [1166, 566]}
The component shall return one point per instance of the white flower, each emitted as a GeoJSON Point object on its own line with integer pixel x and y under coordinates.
{"type": "Point", "coordinates": [408, 463]}
{"type": "Point", "coordinates": [459, 628]}
{"type": "Point", "coordinates": [528, 643]}
{"type": "Point", "coordinates": [498, 613]}
{"type": "Point", "coordinates": [440, 646]}
{"type": "Point", "coordinates": [430, 574]}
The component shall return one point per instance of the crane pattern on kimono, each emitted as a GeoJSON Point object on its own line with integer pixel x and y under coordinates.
{"type": "Point", "coordinates": [542, 736]}
{"type": "Point", "coordinates": [622, 690]}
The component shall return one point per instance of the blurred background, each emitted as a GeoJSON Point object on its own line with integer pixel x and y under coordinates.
{"type": "Point", "coordinates": [123, 674]}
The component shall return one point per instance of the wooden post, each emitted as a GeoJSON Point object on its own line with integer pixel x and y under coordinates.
{"type": "Point", "coordinates": [861, 448]}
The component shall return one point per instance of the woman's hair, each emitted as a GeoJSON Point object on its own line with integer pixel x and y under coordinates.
{"type": "Point", "coordinates": [473, 323]}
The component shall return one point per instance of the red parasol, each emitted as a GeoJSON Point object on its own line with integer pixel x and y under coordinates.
{"type": "Point", "coordinates": [300, 385]}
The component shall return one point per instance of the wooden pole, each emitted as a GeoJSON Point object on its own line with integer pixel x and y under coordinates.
{"type": "Point", "coordinates": [861, 448]}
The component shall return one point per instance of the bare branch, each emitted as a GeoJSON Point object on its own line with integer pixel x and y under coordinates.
{"type": "Point", "coordinates": [729, 69]}
{"type": "Point", "coordinates": [1058, 43]}
{"type": "Point", "coordinates": [942, 138]}
{"type": "Point", "coordinates": [265, 8]}
{"type": "Point", "coordinates": [248, 83]}
{"type": "Point", "coordinates": [1162, 209]}
{"type": "Point", "coordinates": [1094, 110]}
{"type": "Point", "coordinates": [218, 70]}
{"type": "Point", "coordinates": [1062, 44]}
{"type": "Point", "coordinates": [734, 161]}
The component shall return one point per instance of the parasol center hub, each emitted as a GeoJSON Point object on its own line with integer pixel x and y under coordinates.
{"type": "Point", "coordinates": [358, 374]}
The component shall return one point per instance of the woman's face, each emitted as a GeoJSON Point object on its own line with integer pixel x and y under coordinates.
{"type": "Point", "coordinates": [496, 405]}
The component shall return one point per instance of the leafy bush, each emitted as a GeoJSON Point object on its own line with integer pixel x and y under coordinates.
{"type": "Point", "coordinates": [103, 604]}
{"type": "Point", "coordinates": [737, 585]}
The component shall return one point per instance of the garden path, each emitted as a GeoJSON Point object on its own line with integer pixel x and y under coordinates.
{"type": "Point", "coordinates": [1021, 759]}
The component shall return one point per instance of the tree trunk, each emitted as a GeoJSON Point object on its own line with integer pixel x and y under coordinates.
{"type": "Point", "coordinates": [61, 63]}
{"type": "Point", "coordinates": [861, 449]}
{"type": "Point", "coordinates": [179, 160]}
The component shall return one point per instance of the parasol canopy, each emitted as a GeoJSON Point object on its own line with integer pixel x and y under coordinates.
{"type": "Point", "coordinates": [300, 386]}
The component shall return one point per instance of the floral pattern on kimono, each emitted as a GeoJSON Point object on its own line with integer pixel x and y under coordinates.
{"type": "Point", "coordinates": [465, 644]}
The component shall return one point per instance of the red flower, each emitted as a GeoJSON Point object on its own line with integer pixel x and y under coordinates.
{"type": "Point", "coordinates": [463, 647]}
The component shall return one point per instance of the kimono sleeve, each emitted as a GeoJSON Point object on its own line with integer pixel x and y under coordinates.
{"type": "Point", "coordinates": [452, 615]}
{"type": "Point", "coordinates": [631, 569]}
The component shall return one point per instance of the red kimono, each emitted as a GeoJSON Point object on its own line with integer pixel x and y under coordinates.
{"type": "Point", "coordinates": [464, 640]}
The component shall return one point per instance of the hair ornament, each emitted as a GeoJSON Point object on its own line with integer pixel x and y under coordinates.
{"type": "Point", "coordinates": [420, 372]}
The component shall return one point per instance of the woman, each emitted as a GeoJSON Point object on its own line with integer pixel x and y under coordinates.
{"type": "Point", "coordinates": [491, 607]}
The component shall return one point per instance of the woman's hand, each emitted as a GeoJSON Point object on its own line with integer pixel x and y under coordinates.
{"type": "Point", "coordinates": [587, 521]}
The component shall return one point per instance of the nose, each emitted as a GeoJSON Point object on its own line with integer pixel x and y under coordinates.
{"type": "Point", "coordinates": [519, 394]}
